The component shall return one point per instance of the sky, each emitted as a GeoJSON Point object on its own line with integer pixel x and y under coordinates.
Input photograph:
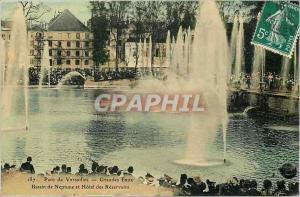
{"type": "Point", "coordinates": [78, 7]}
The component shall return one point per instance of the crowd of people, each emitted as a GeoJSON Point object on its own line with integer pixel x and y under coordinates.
{"type": "Point", "coordinates": [94, 75]}
{"type": "Point", "coordinates": [185, 186]}
{"type": "Point", "coordinates": [271, 81]}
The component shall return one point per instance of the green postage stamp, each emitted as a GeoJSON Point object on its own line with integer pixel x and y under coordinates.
{"type": "Point", "coordinates": [278, 27]}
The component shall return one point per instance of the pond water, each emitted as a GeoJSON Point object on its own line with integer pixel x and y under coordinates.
{"type": "Point", "coordinates": [63, 129]}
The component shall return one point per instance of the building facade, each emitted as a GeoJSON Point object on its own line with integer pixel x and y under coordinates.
{"type": "Point", "coordinates": [70, 43]}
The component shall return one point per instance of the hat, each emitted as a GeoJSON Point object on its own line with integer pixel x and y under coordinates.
{"type": "Point", "coordinates": [149, 177]}
{"type": "Point", "coordinates": [161, 179]}
{"type": "Point", "coordinates": [167, 177]}
{"type": "Point", "coordinates": [197, 179]}
{"type": "Point", "coordinates": [288, 170]}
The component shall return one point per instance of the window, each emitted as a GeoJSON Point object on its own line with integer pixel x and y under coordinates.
{"type": "Point", "coordinates": [3, 36]}
{"type": "Point", "coordinates": [86, 44]}
{"type": "Point", "coordinates": [157, 52]}
{"type": "Point", "coordinates": [68, 53]}
{"type": "Point", "coordinates": [87, 35]}
{"type": "Point", "coordinates": [77, 43]}
{"type": "Point", "coordinates": [31, 52]}
{"type": "Point", "coordinates": [77, 53]}
{"type": "Point", "coordinates": [58, 61]}
{"type": "Point", "coordinates": [77, 35]}
{"type": "Point", "coordinates": [59, 53]}
{"type": "Point", "coordinates": [8, 36]}
{"type": "Point", "coordinates": [50, 61]}
{"type": "Point", "coordinates": [59, 43]}
{"type": "Point", "coordinates": [86, 62]}
{"type": "Point", "coordinates": [50, 52]}
{"type": "Point", "coordinates": [50, 43]}
{"type": "Point", "coordinates": [77, 62]}
{"type": "Point", "coordinates": [68, 44]}
{"type": "Point", "coordinates": [69, 35]}
{"type": "Point", "coordinates": [86, 53]}
{"type": "Point", "coordinates": [68, 62]}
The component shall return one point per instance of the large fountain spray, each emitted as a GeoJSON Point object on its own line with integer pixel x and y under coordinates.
{"type": "Point", "coordinates": [16, 74]}
{"type": "Point", "coordinates": [208, 75]}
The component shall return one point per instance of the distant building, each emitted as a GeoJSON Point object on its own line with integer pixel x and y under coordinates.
{"type": "Point", "coordinates": [35, 44]}
{"type": "Point", "coordinates": [70, 42]}
{"type": "Point", "coordinates": [6, 34]}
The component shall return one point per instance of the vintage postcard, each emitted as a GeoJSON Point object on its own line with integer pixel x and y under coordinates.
{"type": "Point", "coordinates": [149, 98]}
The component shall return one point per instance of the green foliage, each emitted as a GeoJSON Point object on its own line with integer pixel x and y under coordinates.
{"type": "Point", "coordinates": [180, 13]}
{"type": "Point", "coordinates": [99, 26]}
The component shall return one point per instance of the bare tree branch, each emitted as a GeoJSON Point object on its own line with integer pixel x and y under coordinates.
{"type": "Point", "coordinates": [33, 12]}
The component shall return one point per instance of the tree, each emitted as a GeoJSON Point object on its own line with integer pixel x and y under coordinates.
{"type": "Point", "coordinates": [99, 28]}
{"type": "Point", "coordinates": [117, 14]}
{"type": "Point", "coordinates": [138, 32]}
{"type": "Point", "coordinates": [33, 12]}
{"type": "Point", "coordinates": [181, 13]}
{"type": "Point", "coordinates": [152, 16]}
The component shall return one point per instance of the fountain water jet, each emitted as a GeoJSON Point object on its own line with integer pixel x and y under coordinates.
{"type": "Point", "coordinates": [168, 50]}
{"type": "Point", "coordinates": [187, 46]}
{"type": "Point", "coordinates": [292, 102]}
{"type": "Point", "coordinates": [178, 53]}
{"type": "Point", "coordinates": [2, 62]}
{"type": "Point", "coordinates": [209, 67]}
{"type": "Point", "coordinates": [172, 49]}
{"type": "Point", "coordinates": [257, 66]}
{"type": "Point", "coordinates": [285, 69]}
{"type": "Point", "coordinates": [233, 42]}
{"type": "Point", "coordinates": [45, 65]}
{"type": "Point", "coordinates": [239, 57]}
{"type": "Point", "coordinates": [145, 53]}
{"type": "Point", "coordinates": [140, 54]}
{"type": "Point", "coordinates": [149, 62]}
{"type": "Point", "coordinates": [16, 75]}
{"type": "Point", "coordinates": [68, 77]}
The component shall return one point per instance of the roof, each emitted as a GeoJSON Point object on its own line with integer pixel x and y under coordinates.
{"type": "Point", "coordinates": [37, 28]}
{"type": "Point", "coordinates": [66, 21]}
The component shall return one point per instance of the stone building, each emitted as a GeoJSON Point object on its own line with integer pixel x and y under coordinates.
{"type": "Point", "coordinates": [70, 42]}
{"type": "Point", "coordinates": [35, 45]}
